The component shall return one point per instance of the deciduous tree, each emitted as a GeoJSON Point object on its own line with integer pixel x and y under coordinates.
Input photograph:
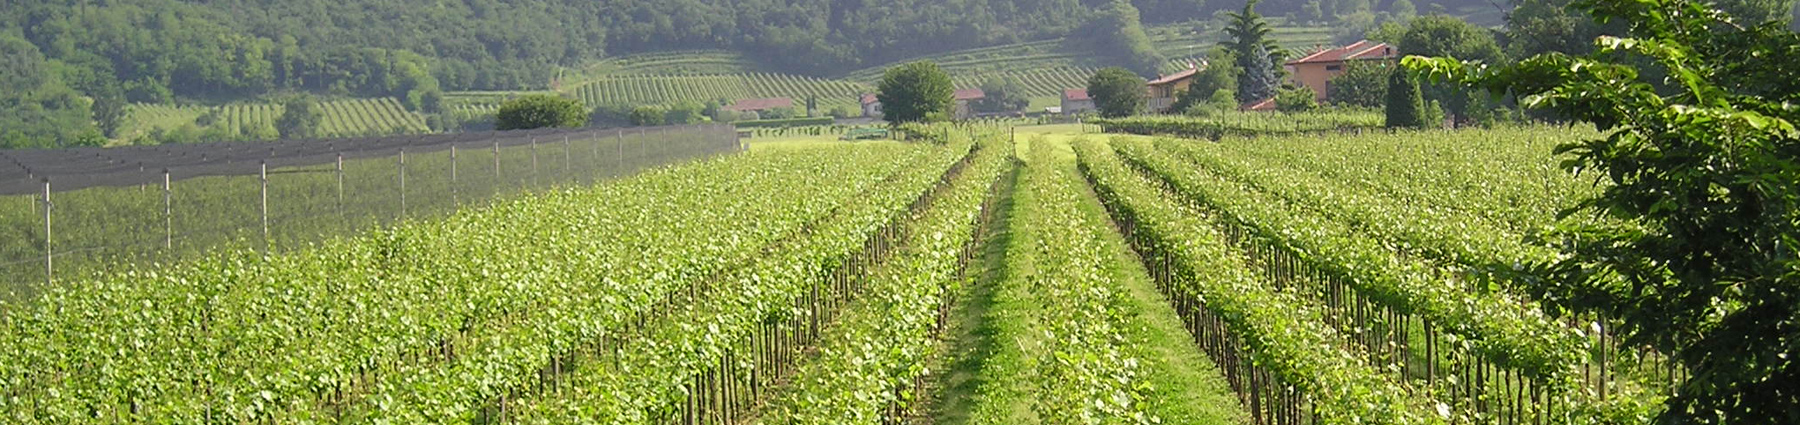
{"type": "Point", "coordinates": [1117, 92]}
{"type": "Point", "coordinates": [540, 111]}
{"type": "Point", "coordinates": [917, 91]}
{"type": "Point", "coordinates": [1698, 258]}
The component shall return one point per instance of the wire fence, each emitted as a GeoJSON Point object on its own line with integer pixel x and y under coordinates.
{"type": "Point", "coordinates": [72, 212]}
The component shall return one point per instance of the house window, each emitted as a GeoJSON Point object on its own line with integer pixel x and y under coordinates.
{"type": "Point", "coordinates": [1334, 67]}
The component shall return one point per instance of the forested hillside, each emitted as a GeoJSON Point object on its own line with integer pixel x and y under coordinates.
{"type": "Point", "coordinates": [72, 66]}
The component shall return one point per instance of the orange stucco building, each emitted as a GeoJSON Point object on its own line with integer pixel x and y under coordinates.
{"type": "Point", "coordinates": [1314, 71]}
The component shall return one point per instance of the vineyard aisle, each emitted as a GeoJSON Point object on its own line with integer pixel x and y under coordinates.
{"type": "Point", "coordinates": [1003, 364]}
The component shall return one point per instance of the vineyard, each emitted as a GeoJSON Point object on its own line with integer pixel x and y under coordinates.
{"type": "Point", "coordinates": [340, 118]}
{"type": "Point", "coordinates": [662, 89]}
{"type": "Point", "coordinates": [973, 274]}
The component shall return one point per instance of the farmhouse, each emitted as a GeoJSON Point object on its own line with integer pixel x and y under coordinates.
{"type": "Point", "coordinates": [1314, 71]}
{"type": "Point", "coordinates": [1162, 91]}
{"type": "Point", "coordinates": [871, 106]}
{"type": "Point", "coordinates": [963, 97]}
{"type": "Point", "coordinates": [1075, 101]}
{"type": "Point", "coordinates": [758, 105]}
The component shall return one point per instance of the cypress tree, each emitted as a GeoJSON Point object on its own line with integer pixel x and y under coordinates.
{"type": "Point", "coordinates": [1405, 106]}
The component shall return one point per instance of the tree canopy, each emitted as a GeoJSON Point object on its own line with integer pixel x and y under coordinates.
{"type": "Point", "coordinates": [541, 111]}
{"type": "Point", "coordinates": [1002, 94]}
{"type": "Point", "coordinates": [917, 91]}
{"type": "Point", "coordinates": [1117, 33]}
{"type": "Point", "coordinates": [1117, 92]}
{"type": "Point", "coordinates": [1699, 260]}
{"type": "Point", "coordinates": [299, 119]}
{"type": "Point", "coordinates": [1257, 54]}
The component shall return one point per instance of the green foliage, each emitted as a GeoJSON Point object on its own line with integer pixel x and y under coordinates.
{"type": "Point", "coordinates": [1117, 92]}
{"type": "Point", "coordinates": [1242, 123]}
{"type": "Point", "coordinates": [1116, 32]}
{"type": "Point", "coordinates": [648, 115]}
{"type": "Point", "coordinates": [1221, 73]}
{"type": "Point", "coordinates": [916, 92]}
{"type": "Point", "coordinates": [540, 111]}
{"type": "Point", "coordinates": [1280, 332]}
{"type": "Point", "coordinates": [1256, 52]}
{"type": "Point", "coordinates": [685, 113]}
{"type": "Point", "coordinates": [1363, 84]}
{"type": "Point", "coordinates": [1258, 81]}
{"type": "Point", "coordinates": [299, 119]}
{"type": "Point", "coordinates": [37, 110]}
{"type": "Point", "coordinates": [1700, 264]}
{"type": "Point", "coordinates": [109, 109]}
{"type": "Point", "coordinates": [1405, 105]}
{"type": "Point", "coordinates": [1440, 35]}
{"type": "Point", "coordinates": [1003, 94]}
{"type": "Point", "coordinates": [1298, 99]}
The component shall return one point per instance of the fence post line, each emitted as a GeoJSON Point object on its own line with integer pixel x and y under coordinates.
{"type": "Point", "coordinates": [534, 163]}
{"type": "Point", "coordinates": [263, 206]}
{"type": "Point", "coordinates": [621, 156]}
{"type": "Point", "coordinates": [566, 171]}
{"type": "Point", "coordinates": [402, 182]}
{"type": "Point", "coordinates": [49, 251]}
{"type": "Point", "coordinates": [168, 213]}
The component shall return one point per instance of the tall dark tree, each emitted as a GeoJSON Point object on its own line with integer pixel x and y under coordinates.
{"type": "Point", "coordinates": [1258, 81]}
{"type": "Point", "coordinates": [299, 119]}
{"type": "Point", "coordinates": [1699, 258]}
{"type": "Point", "coordinates": [540, 111]}
{"type": "Point", "coordinates": [1405, 107]}
{"type": "Point", "coordinates": [1251, 42]}
{"type": "Point", "coordinates": [109, 109]}
{"type": "Point", "coordinates": [1117, 92]}
{"type": "Point", "coordinates": [917, 91]}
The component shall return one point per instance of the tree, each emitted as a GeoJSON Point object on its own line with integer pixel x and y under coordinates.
{"type": "Point", "coordinates": [299, 119]}
{"type": "Point", "coordinates": [1253, 46]}
{"type": "Point", "coordinates": [1298, 99]}
{"type": "Point", "coordinates": [1221, 73]}
{"type": "Point", "coordinates": [916, 92]}
{"type": "Point", "coordinates": [685, 113]}
{"type": "Point", "coordinates": [1698, 259]}
{"type": "Point", "coordinates": [1258, 81]}
{"type": "Point", "coordinates": [1405, 107]}
{"type": "Point", "coordinates": [109, 109]}
{"type": "Point", "coordinates": [1117, 92]}
{"type": "Point", "coordinates": [1117, 32]}
{"type": "Point", "coordinates": [1441, 35]}
{"type": "Point", "coordinates": [1362, 84]}
{"type": "Point", "coordinates": [647, 115]}
{"type": "Point", "coordinates": [1003, 94]}
{"type": "Point", "coordinates": [539, 111]}
{"type": "Point", "coordinates": [1403, 9]}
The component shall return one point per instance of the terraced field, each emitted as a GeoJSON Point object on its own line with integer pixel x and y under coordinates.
{"type": "Point", "coordinates": [342, 118]}
{"type": "Point", "coordinates": [657, 89]}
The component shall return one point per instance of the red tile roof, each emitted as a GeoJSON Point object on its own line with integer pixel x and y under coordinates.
{"type": "Point", "coordinates": [870, 98]}
{"type": "Point", "coordinates": [1263, 105]}
{"type": "Point", "coordinates": [970, 94]}
{"type": "Point", "coordinates": [759, 104]}
{"type": "Point", "coordinates": [1356, 51]}
{"type": "Point", "coordinates": [1171, 78]}
{"type": "Point", "coordinates": [1076, 94]}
